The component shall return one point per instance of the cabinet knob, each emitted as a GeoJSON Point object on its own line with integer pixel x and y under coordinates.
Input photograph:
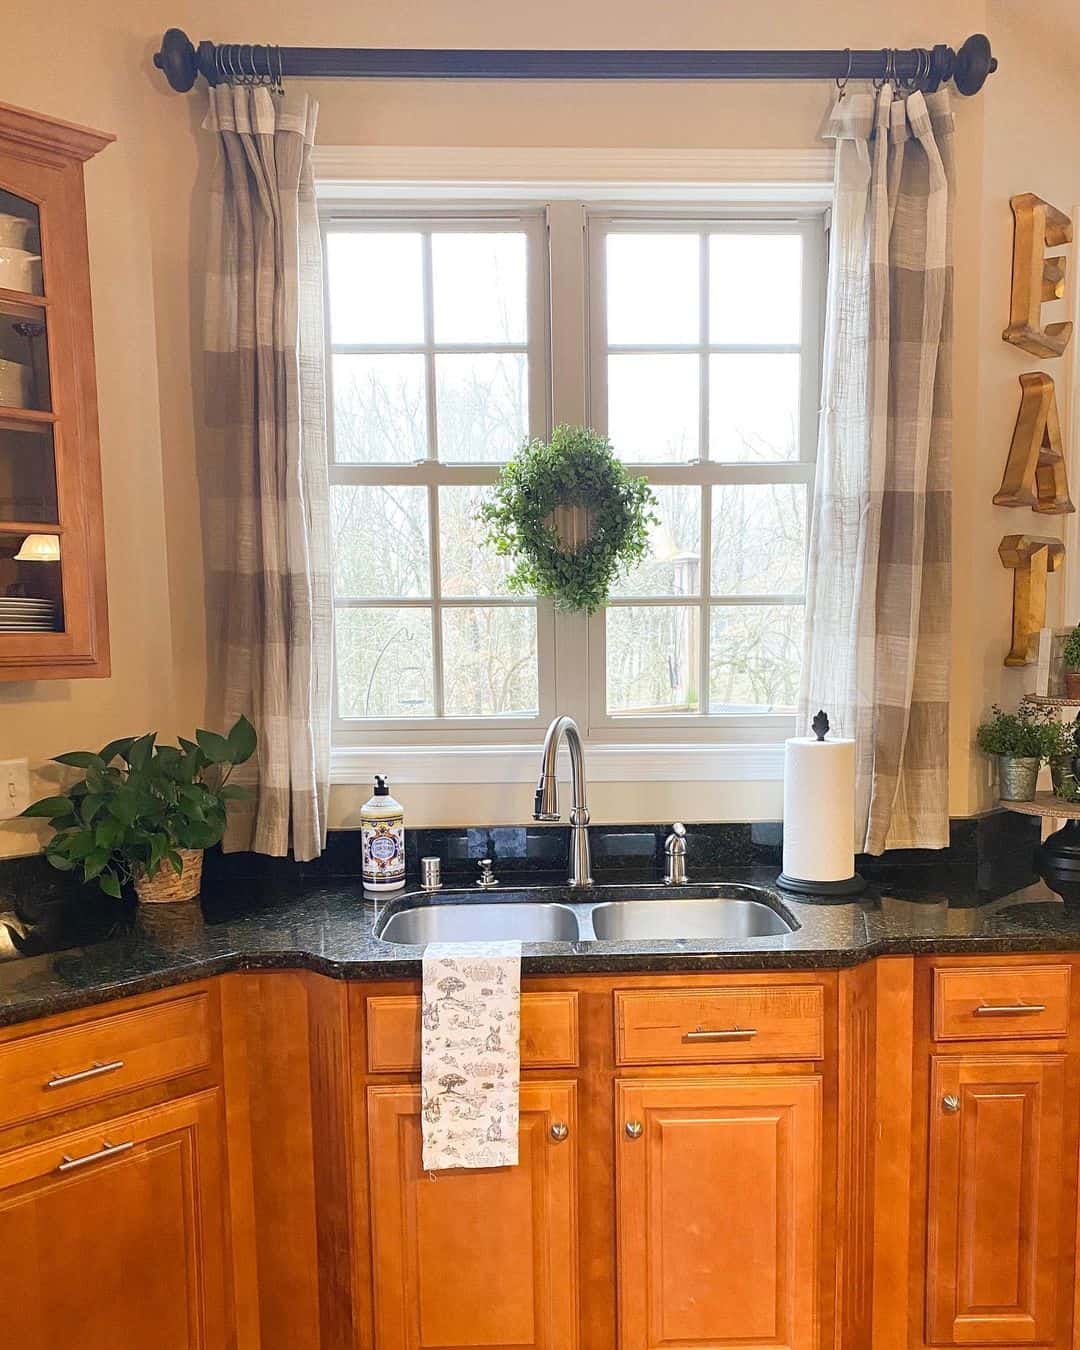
{"type": "Point", "coordinates": [634, 1129]}
{"type": "Point", "coordinates": [559, 1131]}
{"type": "Point", "coordinates": [951, 1103]}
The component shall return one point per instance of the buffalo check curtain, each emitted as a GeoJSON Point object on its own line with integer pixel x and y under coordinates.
{"type": "Point", "coordinates": [878, 580]}
{"type": "Point", "coordinates": [267, 528]}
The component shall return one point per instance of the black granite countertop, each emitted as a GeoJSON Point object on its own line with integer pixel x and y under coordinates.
{"type": "Point", "coordinates": [80, 951]}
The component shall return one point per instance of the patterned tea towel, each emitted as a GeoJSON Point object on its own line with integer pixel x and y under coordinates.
{"type": "Point", "coordinates": [470, 1054]}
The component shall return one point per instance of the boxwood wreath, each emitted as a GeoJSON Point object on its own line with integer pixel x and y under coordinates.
{"type": "Point", "coordinates": [577, 467]}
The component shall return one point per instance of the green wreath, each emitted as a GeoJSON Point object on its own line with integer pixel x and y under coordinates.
{"type": "Point", "coordinates": [577, 467]}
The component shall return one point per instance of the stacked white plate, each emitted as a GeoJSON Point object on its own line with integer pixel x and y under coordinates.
{"type": "Point", "coordinates": [19, 615]}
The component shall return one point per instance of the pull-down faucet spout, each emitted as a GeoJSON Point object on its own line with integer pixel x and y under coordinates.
{"type": "Point", "coordinates": [547, 795]}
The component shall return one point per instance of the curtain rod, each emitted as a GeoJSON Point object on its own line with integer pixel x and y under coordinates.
{"type": "Point", "coordinates": [258, 63]}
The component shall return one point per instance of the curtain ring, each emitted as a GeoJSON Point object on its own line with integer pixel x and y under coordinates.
{"type": "Point", "coordinates": [842, 84]}
{"type": "Point", "coordinates": [227, 64]}
{"type": "Point", "coordinates": [253, 79]}
{"type": "Point", "coordinates": [880, 84]}
{"type": "Point", "coordinates": [280, 84]}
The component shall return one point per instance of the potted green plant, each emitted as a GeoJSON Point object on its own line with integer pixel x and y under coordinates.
{"type": "Point", "coordinates": [570, 516]}
{"type": "Point", "coordinates": [1062, 749]}
{"type": "Point", "coordinates": [144, 813]}
{"type": "Point", "coordinates": [1019, 741]}
{"type": "Point", "coordinates": [1070, 655]}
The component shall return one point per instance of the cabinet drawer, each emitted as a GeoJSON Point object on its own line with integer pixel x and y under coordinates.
{"type": "Point", "coordinates": [51, 1071]}
{"type": "Point", "coordinates": [999, 1003]}
{"type": "Point", "coordinates": [549, 1032]}
{"type": "Point", "coordinates": [708, 1026]}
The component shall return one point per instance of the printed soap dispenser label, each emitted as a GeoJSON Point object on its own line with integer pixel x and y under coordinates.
{"type": "Point", "coordinates": [384, 850]}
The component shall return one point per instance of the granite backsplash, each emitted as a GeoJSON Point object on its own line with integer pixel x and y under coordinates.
{"type": "Point", "coordinates": [992, 852]}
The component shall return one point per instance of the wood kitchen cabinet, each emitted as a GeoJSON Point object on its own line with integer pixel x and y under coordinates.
{"type": "Point", "coordinates": [113, 1236]}
{"type": "Point", "coordinates": [998, 1215]}
{"type": "Point", "coordinates": [719, 1191]}
{"type": "Point", "coordinates": [53, 610]}
{"type": "Point", "coordinates": [478, 1258]}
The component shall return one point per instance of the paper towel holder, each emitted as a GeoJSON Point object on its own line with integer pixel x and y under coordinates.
{"type": "Point", "coordinates": [852, 885]}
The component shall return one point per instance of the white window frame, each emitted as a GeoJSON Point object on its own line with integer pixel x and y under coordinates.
{"type": "Point", "coordinates": [431, 473]}
{"type": "Point", "coordinates": [362, 182]}
{"type": "Point", "coordinates": [704, 472]}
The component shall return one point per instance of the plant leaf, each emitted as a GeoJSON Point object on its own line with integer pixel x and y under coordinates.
{"type": "Point", "coordinates": [141, 751]}
{"type": "Point", "coordinates": [216, 748]}
{"type": "Point", "coordinates": [80, 759]}
{"type": "Point", "coordinates": [109, 884]}
{"type": "Point", "coordinates": [48, 807]}
{"type": "Point", "coordinates": [90, 805]}
{"type": "Point", "coordinates": [242, 740]}
{"type": "Point", "coordinates": [121, 746]}
{"type": "Point", "coordinates": [94, 863]}
{"type": "Point", "coordinates": [236, 792]}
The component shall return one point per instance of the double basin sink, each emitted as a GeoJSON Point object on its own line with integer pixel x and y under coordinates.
{"type": "Point", "coordinates": [600, 914]}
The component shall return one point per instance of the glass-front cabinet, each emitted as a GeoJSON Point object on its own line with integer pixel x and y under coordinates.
{"type": "Point", "coordinates": [53, 607]}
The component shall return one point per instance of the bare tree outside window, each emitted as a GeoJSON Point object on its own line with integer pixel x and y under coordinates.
{"type": "Point", "coordinates": [701, 363]}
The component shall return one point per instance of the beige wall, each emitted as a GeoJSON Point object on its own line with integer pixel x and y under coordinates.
{"type": "Point", "coordinates": [146, 198]}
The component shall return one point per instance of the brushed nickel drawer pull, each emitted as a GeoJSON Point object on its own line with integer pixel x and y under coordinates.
{"type": "Point", "coordinates": [1008, 1009]}
{"type": "Point", "coordinates": [727, 1034]}
{"type": "Point", "coordinates": [107, 1150]}
{"type": "Point", "coordinates": [634, 1129]}
{"type": "Point", "coordinates": [560, 1131]}
{"type": "Point", "coordinates": [951, 1103]}
{"type": "Point", "coordinates": [95, 1071]}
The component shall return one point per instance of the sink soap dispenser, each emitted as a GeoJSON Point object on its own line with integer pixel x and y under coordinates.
{"type": "Point", "coordinates": [382, 833]}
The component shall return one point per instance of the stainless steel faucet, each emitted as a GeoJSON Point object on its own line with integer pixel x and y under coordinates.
{"type": "Point", "coordinates": [547, 795]}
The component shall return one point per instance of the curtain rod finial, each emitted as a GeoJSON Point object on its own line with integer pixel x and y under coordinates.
{"type": "Point", "coordinates": [177, 59]}
{"type": "Point", "coordinates": [974, 62]}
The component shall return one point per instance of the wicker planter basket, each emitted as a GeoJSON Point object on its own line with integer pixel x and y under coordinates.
{"type": "Point", "coordinates": [165, 886]}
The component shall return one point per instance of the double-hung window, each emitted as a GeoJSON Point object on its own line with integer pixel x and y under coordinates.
{"type": "Point", "coordinates": [692, 340]}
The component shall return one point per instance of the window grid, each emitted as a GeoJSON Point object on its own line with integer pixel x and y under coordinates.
{"type": "Point", "coordinates": [703, 471]}
{"type": "Point", "coordinates": [573, 676]}
{"type": "Point", "coordinates": [432, 473]}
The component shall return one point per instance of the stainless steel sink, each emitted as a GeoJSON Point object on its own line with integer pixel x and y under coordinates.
{"type": "Point", "coordinates": [481, 921]}
{"type": "Point", "coordinates": [656, 919]}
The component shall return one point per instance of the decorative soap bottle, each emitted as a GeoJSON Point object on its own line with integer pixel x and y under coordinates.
{"type": "Point", "coordinates": [382, 832]}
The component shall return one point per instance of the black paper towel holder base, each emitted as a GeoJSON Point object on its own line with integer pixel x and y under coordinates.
{"type": "Point", "coordinates": [854, 885]}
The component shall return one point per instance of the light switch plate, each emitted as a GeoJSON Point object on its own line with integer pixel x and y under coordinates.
{"type": "Point", "coordinates": [14, 787]}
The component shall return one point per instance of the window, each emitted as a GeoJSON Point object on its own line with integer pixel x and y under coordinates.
{"type": "Point", "coordinates": [704, 370]}
{"type": "Point", "coordinates": [438, 370]}
{"type": "Point", "coordinates": [694, 342]}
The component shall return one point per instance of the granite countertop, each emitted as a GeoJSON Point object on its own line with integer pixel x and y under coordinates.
{"type": "Point", "coordinates": [75, 954]}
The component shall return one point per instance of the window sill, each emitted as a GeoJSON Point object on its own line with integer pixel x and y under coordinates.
{"type": "Point", "coordinates": [604, 763]}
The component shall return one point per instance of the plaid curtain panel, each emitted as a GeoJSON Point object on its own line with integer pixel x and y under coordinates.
{"type": "Point", "coordinates": [267, 528]}
{"type": "Point", "coordinates": [879, 579]}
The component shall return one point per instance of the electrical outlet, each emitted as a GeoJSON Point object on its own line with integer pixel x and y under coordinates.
{"type": "Point", "coordinates": [14, 787]}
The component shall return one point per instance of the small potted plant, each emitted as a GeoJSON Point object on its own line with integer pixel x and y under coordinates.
{"type": "Point", "coordinates": [1062, 750]}
{"type": "Point", "coordinates": [1070, 655]}
{"type": "Point", "coordinates": [144, 813]}
{"type": "Point", "coordinates": [1019, 741]}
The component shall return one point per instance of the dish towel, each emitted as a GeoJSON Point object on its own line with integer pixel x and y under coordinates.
{"type": "Point", "coordinates": [470, 1054]}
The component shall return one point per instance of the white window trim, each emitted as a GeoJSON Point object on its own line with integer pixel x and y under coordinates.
{"type": "Point", "coordinates": [743, 181]}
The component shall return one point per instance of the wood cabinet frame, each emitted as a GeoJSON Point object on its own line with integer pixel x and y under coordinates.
{"type": "Point", "coordinates": [41, 160]}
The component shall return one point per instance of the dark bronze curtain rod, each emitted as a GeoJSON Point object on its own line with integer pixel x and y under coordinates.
{"type": "Point", "coordinates": [256, 63]}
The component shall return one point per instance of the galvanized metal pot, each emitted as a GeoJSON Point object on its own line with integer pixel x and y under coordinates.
{"type": "Point", "coordinates": [1017, 778]}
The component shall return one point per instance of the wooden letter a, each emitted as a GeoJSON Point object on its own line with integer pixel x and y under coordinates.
{"type": "Point", "coordinates": [1035, 474]}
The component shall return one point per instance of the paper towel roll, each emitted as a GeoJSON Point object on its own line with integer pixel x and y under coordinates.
{"type": "Point", "coordinates": [819, 808]}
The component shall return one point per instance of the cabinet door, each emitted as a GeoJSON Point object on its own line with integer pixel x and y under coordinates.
{"type": "Point", "coordinates": [53, 607]}
{"type": "Point", "coordinates": [996, 1219]}
{"type": "Point", "coordinates": [112, 1238]}
{"type": "Point", "coordinates": [718, 1186]}
{"type": "Point", "coordinates": [475, 1258]}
